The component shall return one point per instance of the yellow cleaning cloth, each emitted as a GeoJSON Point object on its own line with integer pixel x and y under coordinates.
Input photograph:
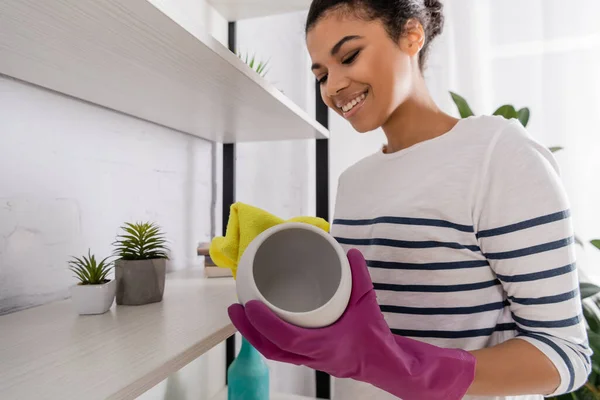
{"type": "Point", "coordinates": [245, 223]}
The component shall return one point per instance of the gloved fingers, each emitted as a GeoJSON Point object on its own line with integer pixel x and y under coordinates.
{"type": "Point", "coordinates": [269, 350]}
{"type": "Point", "coordinates": [284, 335]}
{"type": "Point", "coordinates": [361, 279]}
{"type": "Point", "coordinates": [303, 341]}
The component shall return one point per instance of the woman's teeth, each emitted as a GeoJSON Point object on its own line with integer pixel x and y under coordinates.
{"type": "Point", "coordinates": [354, 102]}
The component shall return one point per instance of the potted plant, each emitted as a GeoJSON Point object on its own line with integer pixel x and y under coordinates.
{"type": "Point", "coordinates": [95, 293]}
{"type": "Point", "coordinates": [140, 267]}
{"type": "Point", "coordinates": [260, 67]}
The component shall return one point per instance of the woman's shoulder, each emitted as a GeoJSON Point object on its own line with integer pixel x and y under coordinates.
{"type": "Point", "coordinates": [513, 143]}
{"type": "Point", "coordinates": [494, 129]}
{"type": "Point", "coordinates": [500, 140]}
{"type": "Point", "coordinates": [484, 129]}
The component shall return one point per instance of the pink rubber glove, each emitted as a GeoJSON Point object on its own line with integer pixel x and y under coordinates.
{"type": "Point", "coordinates": [360, 346]}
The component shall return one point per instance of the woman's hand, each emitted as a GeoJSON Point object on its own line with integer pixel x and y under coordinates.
{"type": "Point", "coordinates": [360, 346]}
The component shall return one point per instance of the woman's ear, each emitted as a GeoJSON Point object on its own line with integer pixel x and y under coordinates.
{"type": "Point", "coordinates": [413, 38]}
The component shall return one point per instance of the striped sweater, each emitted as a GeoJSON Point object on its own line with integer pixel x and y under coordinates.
{"type": "Point", "coordinates": [469, 243]}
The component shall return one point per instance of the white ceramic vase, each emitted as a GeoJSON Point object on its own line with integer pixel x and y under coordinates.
{"type": "Point", "coordinates": [299, 271]}
{"type": "Point", "coordinates": [93, 299]}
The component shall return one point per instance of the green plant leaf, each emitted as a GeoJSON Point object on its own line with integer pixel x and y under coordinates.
{"type": "Point", "coordinates": [131, 237]}
{"type": "Point", "coordinates": [596, 243]}
{"type": "Point", "coordinates": [140, 241]}
{"type": "Point", "coordinates": [89, 270]}
{"type": "Point", "coordinates": [261, 67]}
{"type": "Point", "coordinates": [595, 371]}
{"type": "Point", "coordinates": [463, 107]}
{"type": "Point", "coordinates": [507, 111]}
{"type": "Point", "coordinates": [523, 116]}
{"type": "Point", "coordinates": [596, 302]}
{"type": "Point", "coordinates": [591, 319]}
{"type": "Point", "coordinates": [568, 396]}
{"type": "Point", "coordinates": [82, 269]}
{"type": "Point", "coordinates": [591, 311]}
{"type": "Point", "coordinates": [588, 290]}
{"type": "Point", "coordinates": [79, 275]}
{"type": "Point", "coordinates": [555, 149]}
{"type": "Point", "coordinates": [258, 66]}
{"type": "Point", "coordinates": [594, 339]}
{"type": "Point", "coordinates": [133, 230]}
{"type": "Point", "coordinates": [587, 393]}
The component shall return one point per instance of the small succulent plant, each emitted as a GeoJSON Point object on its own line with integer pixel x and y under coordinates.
{"type": "Point", "coordinates": [140, 241]}
{"type": "Point", "coordinates": [89, 271]}
{"type": "Point", "coordinates": [259, 66]}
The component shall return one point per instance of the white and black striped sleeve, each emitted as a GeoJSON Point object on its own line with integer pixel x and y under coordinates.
{"type": "Point", "coordinates": [523, 225]}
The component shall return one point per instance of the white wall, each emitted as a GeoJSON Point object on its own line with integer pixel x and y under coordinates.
{"type": "Point", "coordinates": [264, 169]}
{"type": "Point", "coordinates": [73, 173]}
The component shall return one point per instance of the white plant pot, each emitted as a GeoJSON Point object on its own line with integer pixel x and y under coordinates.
{"type": "Point", "coordinates": [93, 299]}
{"type": "Point", "coordinates": [297, 270]}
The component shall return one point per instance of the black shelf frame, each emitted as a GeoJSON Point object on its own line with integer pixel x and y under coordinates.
{"type": "Point", "coordinates": [322, 380]}
{"type": "Point", "coordinates": [228, 196]}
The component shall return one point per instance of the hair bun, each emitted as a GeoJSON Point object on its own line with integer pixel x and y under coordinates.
{"type": "Point", "coordinates": [435, 10]}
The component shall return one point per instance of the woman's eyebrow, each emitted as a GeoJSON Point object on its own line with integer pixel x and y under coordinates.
{"type": "Point", "coordinates": [336, 48]}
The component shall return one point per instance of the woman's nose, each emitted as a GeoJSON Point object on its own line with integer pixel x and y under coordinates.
{"type": "Point", "coordinates": [336, 83]}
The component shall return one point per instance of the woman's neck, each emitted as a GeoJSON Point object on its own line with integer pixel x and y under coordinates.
{"type": "Point", "coordinates": [416, 120]}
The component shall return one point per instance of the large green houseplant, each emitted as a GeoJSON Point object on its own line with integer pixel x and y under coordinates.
{"type": "Point", "coordinates": [140, 268]}
{"type": "Point", "coordinates": [588, 291]}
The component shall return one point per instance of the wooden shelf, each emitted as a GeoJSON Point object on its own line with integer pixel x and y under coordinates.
{"type": "Point", "coordinates": [274, 396]}
{"type": "Point", "coordinates": [50, 352]}
{"type": "Point", "coordinates": [131, 57]}
{"type": "Point", "coordinates": [234, 10]}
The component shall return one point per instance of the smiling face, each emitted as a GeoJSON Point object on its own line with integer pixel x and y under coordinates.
{"type": "Point", "coordinates": [363, 74]}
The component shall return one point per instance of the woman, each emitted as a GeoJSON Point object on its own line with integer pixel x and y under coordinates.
{"type": "Point", "coordinates": [470, 287]}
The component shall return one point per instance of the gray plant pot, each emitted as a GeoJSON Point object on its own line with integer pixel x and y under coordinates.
{"type": "Point", "coordinates": [140, 281]}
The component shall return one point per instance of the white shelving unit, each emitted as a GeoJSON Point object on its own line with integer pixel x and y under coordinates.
{"type": "Point", "coordinates": [50, 352]}
{"type": "Point", "coordinates": [274, 396]}
{"type": "Point", "coordinates": [234, 10]}
{"type": "Point", "coordinates": [131, 57]}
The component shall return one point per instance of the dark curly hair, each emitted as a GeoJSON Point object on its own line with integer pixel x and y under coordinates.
{"type": "Point", "coordinates": [393, 13]}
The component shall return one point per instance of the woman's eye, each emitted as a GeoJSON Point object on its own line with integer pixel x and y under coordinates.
{"type": "Point", "coordinates": [350, 59]}
{"type": "Point", "coordinates": [322, 79]}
